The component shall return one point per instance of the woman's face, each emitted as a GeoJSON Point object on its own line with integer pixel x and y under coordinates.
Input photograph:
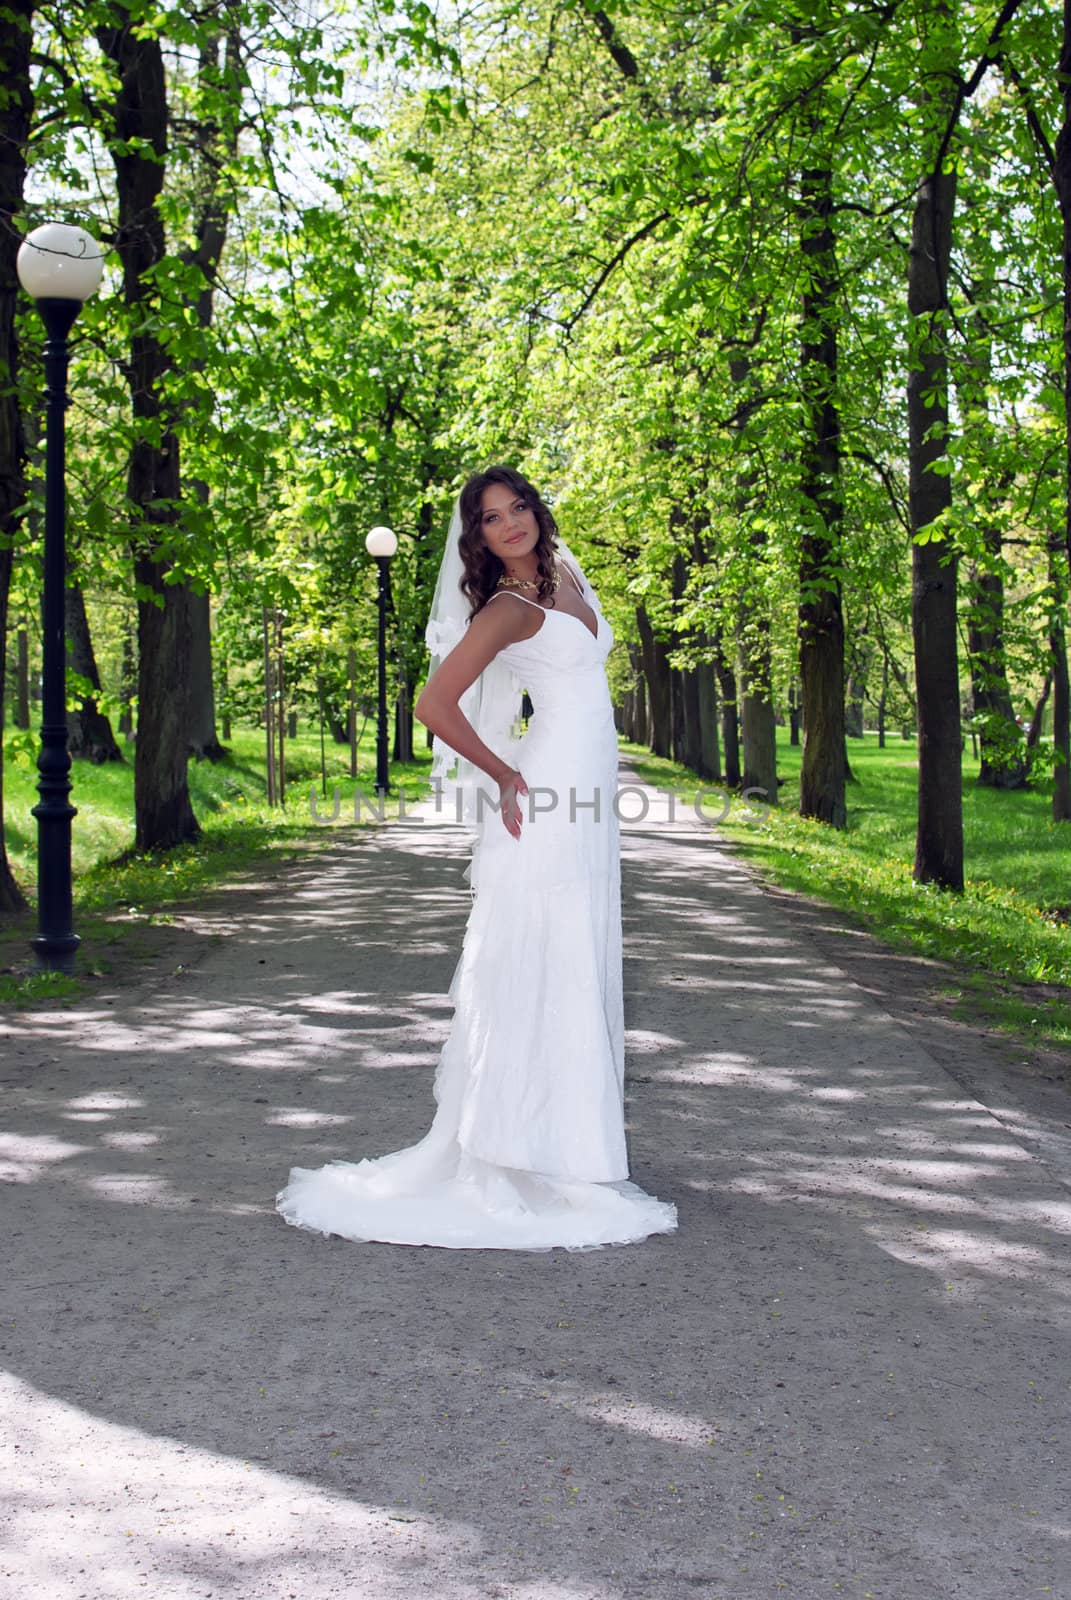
{"type": "Point", "coordinates": [507, 522]}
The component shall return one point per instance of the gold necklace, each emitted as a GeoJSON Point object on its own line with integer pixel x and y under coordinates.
{"type": "Point", "coordinates": [528, 583]}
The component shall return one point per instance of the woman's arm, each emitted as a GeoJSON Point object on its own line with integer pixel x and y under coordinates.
{"type": "Point", "coordinates": [490, 631]}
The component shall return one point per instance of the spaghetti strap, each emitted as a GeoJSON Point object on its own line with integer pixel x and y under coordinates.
{"type": "Point", "coordinates": [576, 585]}
{"type": "Point", "coordinates": [517, 597]}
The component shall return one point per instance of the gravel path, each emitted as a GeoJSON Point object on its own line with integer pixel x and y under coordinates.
{"type": "Point", "coordinates": [846, 1375]}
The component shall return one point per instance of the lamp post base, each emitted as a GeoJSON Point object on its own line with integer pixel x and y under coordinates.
{"type": "Point", "coordinates": [56, 955]}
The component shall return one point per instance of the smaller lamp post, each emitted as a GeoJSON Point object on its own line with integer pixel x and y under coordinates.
{"type": "Point", "coordinates": [382, 543]}
{"type": "Point", "coordinates": [59, 266]}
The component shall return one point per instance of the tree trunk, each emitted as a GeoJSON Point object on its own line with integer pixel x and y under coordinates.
{"type": "Point", "coordinates": [1037, 718]}
{"type": "Point", "coordinates": [216, 142]}
{"type": "Point", "coordinates": [690, 718]}
{"type": "Point", "coordinates": [823, 772]}
{"type": "Point", "coordinates": [939, 839]}
{"type": "Point", "coordinates": [854, 726]}
{"type": "Point", "coordinates": [163, 813]}
{"type": "Point", "coordinates": [730, 719]}
{"type": "Point", "coordinates": [16, 109]}
{"type": "Point", "coordinates": [281, 687]}
{"type": "Point", "coordinates": [89, 733]}
{"type": "Point", "coordinates": [793, 717]}
{"type": "Point", "coordinates": [21, 714]}
{"type": "Point", "coordinates": [758, 730]}
{"type": "Point", "coordinates": [1003, 755]}
{"type": "Point", "coordinates": [271, 788]}
{"type": "Point", "coordinates": [1061, 694]}
{"type": "Point", "coordinates": [709, 745]}
{"type": "Point", "coordinates": [1061, 794]}
{"type": "Point", "coordinates": [403, 722]}
{"type": "Point", "coordinates": [129, 685]}
{"type": "Point", "coordinates": [351, 708]}
{"type": "Point", "coordinates": [656, 672]}
{"type": "Point", "coordinates": [204, 741]}
{"type": "Point", "coordinates": [676, 716]}
{"type": "Point", "coordinates": [639, 733]}
{"type": "Point", "coordinates": [1003, 764]}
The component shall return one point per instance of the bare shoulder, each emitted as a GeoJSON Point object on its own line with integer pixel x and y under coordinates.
{"type": "Point", "coordinates": [506, 619]}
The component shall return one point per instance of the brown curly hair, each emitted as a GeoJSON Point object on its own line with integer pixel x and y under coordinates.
{"type": "Point", "coordinates": [482, 568]}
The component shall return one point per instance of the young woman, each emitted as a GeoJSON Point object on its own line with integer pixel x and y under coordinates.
{"type": "Point", "coordinates": [527, 1148]}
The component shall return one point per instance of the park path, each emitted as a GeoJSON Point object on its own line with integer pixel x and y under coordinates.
{"type": "Point", "coordinates": [846, 1375]}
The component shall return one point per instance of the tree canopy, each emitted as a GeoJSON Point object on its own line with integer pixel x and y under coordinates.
{"type": "Point", "coordinates": [771, 300]}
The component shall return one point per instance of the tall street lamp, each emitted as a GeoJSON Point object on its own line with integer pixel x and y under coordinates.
{"type": "Point", "coordinates": [59, 267]}
{"type": "Point", "coordinates": [382, 543]}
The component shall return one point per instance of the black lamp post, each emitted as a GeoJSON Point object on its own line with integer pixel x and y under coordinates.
{"type": "Point", "coordinates": [59, 267]}
{"type": "Point", "coordinates": [382, 543]}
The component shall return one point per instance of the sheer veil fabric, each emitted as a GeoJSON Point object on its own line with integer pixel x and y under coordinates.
{"type": "Point", "coordinates": [527, 1146]}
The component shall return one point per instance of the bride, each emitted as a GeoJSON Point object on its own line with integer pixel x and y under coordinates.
{"type": "Point", "coordinates": [527, 1147]}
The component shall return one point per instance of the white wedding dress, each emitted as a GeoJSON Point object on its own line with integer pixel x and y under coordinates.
{"type": "Point", "coordinates": [527, 1148]}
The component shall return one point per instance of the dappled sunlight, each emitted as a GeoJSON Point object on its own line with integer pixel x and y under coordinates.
{"type": "Point", "coordinates": [297, 1117]}
{"type": "Point", "coordinates": [24, 1157]}
{"type": "Point", "coordinates": [636, 1416]}
{"type": "Point", "coordinates": [105, 1100]}
{"type": "Point", "coordinates": [828, 1103]}
{"type": "Point", "coordinates": [129, 1141]}
{"type": "Point", "coordinates": [135, 1189]}
{"type": "Point", "coordinates": [254, 1527]}
{"type": "Point", "coordinates": [938, 1248]}
{"type": "Point", "coordinates": [869, 1264]}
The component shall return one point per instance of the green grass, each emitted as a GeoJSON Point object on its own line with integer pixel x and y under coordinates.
{"type": "Point", "coordinates": [115, 890]}
{"type": "Point", "coordinates": [1005, 933]}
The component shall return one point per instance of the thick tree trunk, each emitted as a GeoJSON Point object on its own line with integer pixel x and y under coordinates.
{"type": "Point", "coordinates": [656, 672]}
{"type": "Point", "coordinates": [692, 737]}
{"type": "Point", "coordinates": [709, 744]}
{"type": "Point", "coordinates": [16, 109]}
{"type": "Point", "coordinates": [939, 839]}
{"type": "Point", "coordinates": [89, 733]}
{"type": "Point", "coordinates": [824, 769]}
{"type": "Point", "coordinates": [163, 813]}
{"type": "Point", "coordinates": [203, 739]}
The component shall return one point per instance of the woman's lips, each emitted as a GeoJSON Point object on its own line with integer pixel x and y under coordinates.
{"type": "Point", "coordinates": [517, 537]}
